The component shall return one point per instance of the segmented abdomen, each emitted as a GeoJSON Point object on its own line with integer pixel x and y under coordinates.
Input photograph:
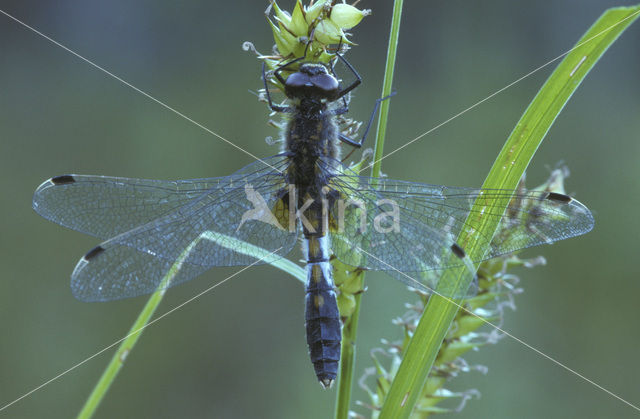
{"type": "Point", "coordinates": [309, 140]}
{"type": "Point", "coordinates": [322, 318]}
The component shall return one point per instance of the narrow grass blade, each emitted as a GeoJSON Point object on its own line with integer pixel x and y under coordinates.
{"type": "Point", "coordinates": [505, 173]}
{"type": "Point", "coordinates": [118, 359]}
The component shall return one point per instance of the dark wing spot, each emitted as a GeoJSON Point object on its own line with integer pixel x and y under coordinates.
{"type": "Point", "coordinates": [62, 180]}
{"type": "Point", "coordinates": [93, 253]}
{"type": "Point", "coordinates": [558, 197]}
{"type": "Point", "coordinates": [458, 251]}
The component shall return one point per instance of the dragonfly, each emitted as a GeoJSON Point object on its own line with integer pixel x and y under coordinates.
{"type": "Point", "coordinates": [303, 194]}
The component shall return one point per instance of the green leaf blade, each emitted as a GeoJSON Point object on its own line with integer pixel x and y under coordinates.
{"type": "Point", "coordinates": [505, 173]}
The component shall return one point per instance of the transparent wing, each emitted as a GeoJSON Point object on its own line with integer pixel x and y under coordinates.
{"type": "Point", "coordinates": [413, 227]}
{"type": "Point", "coordinates": [104, 206]}
{"type": "Point", "coordinates": [190, 230]}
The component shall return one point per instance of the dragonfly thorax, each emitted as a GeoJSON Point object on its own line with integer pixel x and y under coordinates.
{"type": "Point", "coordinates": [311, 132]}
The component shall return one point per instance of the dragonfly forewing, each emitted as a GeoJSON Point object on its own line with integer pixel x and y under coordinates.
{"type": "Point", "coordinates": [104, 206]}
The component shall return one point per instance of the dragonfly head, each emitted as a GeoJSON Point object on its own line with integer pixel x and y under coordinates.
{"type": "Point", "coordinates": [312, 81]}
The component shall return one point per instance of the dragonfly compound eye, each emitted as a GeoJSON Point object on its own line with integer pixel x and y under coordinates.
{"type": "Point", "coordinates": [325, 82]}
{"type": "Point", "coordinates": [312, 81]}
{"type": "Point", "coordinates": [297, 80]}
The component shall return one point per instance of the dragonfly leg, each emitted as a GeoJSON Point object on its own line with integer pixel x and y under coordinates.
{"type": "Point", "coordinates": [356, 82]}
{"type": "Point", "coordinates": [358, 144]}
{"type": "Point", "coordinates": [276, 72]}
{"type": "Point", "coordinates": [278, 76]}
{"type": "Point", "coordinates": [275, 108]}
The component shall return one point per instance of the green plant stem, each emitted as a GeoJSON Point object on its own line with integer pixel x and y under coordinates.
{"type": "Point", "coordinates": [350, 329]}
{"type": "Point", "coordinates": [505, 174]}
{"type": "Point", "coordinates": [120, 356]}
{"type": "Point", "coordinates": [387, 85]}
{"type": "Point", "coordinates": [347, 358]}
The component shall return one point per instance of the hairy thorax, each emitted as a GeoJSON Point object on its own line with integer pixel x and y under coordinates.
{"type": "Point", "coordinates": [311, 136]}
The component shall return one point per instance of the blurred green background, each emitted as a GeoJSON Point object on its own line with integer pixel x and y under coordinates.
{"type": "Point", "coordinates": [240, 351]}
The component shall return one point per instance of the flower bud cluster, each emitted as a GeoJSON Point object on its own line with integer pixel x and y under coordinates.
{"type": "Point", "coordinates": [322, 23]}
